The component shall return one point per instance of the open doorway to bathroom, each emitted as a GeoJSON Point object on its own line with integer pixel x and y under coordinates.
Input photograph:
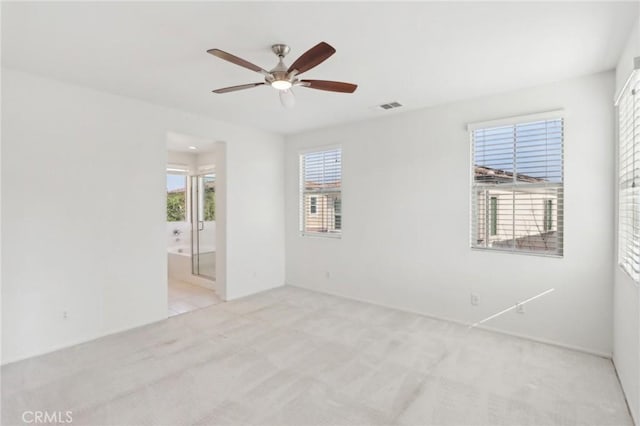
{"type": "Point", "coordinates": [191, 224]}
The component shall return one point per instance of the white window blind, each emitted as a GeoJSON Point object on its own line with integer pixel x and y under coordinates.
{"type": "Point", "coordinates": [321, 192]}
{"type": "Point", "coordinates": [629, 179]}
{"type": "Point", "coordinates": [517, 188]}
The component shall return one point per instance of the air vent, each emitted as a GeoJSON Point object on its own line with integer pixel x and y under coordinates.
{"type": "Point", "coordinates": [388, 106]}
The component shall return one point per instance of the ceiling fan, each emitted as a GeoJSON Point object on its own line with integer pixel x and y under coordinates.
{"type": "Point", "coordinates": [284, 78]}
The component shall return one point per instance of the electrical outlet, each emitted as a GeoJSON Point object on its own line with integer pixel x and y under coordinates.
{"type": "Point", "coordinates": [475, 300]}
{"type": "Point", "coordinates": [327, 275]}
{"type": "Point", "coordinates": [520, 308]}
{"type": "Point", "coordinates": [65, 315]}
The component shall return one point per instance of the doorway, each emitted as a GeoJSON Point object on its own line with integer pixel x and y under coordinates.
{"type": "Point", "coordinates": [191, 224]}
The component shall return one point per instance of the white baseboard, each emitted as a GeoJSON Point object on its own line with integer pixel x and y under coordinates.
{"type": "Point", "coordinates": [456, 321]}
{"type": "Point", "coordinates": [630, 407]}
{"type": "Point", "coordinates": [80, 341]}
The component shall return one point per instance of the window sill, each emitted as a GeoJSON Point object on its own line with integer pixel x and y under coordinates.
{"type": "Point", "coordinates": [524, 253]}
{"type": "Point", "coordinates": [320, 235]}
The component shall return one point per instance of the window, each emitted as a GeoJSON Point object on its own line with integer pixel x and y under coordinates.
{"type": "Point", "coordinates": [629, 179]}
{"type": "Point", "coordinates": [321, 192]}
{"type": "Point", "coordinates": [517, 189]}
{"type": "Point", "coordinates": [176, 197]}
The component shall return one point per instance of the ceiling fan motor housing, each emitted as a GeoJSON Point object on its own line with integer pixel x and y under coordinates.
{"type": "Point", "coordinates": [279, 72]}
{"type": "Point", "coordinates": [280, 49]}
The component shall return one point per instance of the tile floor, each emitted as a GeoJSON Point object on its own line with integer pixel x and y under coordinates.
{"type": "Point", "coordinates": [186, 297]}
{"type": "Point", "coordinates": [295, 357]}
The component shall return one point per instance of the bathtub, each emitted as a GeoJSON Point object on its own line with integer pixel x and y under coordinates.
{"type": "Point", "coordinates": [180, 250]}
{"type": "Point", "coordinates": [186, 250]}
{"type": "Point", "coordinates": [179, 264]}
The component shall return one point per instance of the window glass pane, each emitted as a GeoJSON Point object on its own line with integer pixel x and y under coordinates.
{"type": "Point", "coordinates": [209, 202]}
{"type": "Point", "coordinates": [517, 187]}
{"type": "Point", "coordinates": [176, 198]}
{"type": "Point", "coordinates": [320, 192]}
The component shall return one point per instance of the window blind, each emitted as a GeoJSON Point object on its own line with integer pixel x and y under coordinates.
{"type": "Point", "coordinates": [517, 189]}
{"type": "Point", "coordinates": [629, 180]}
{"type": "Point", "coordinates": [321, 192]}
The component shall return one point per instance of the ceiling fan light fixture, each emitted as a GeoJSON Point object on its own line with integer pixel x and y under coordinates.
{"type": "Point", "coordinates": [281, 84]}
{"type": "Point", "coordinates": [287, 99]}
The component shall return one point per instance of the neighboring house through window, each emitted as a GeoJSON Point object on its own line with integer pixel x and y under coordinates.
{"type": "Point", "coordinates": [313, 206]}
{"type": "Point", "coordinates": [548, 215]}
{"type": "Point", "coordinates": [337, 210]}
{"type": "Point", "coordinates": [517, 188]}
{"type": "Point", "coordinates": [494, 216]}
{"type": "Point", "coordinates": [321, 192]}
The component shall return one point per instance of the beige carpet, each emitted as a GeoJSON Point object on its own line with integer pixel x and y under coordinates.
{"type": "Point", "coordinates": [295, 357]}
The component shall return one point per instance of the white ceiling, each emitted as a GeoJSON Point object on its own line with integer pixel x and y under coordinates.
{"type": "Point", "coordinates": [419, 54]}
{"type": "Point", "coordinates": [179, 142]}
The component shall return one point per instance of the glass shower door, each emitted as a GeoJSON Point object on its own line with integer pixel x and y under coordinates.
{"type": "Point", "coordinates": [203, 225]}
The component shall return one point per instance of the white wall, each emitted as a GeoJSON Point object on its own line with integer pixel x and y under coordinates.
{"type": "Point", "coordinates": [625, 63]}
{"type": "Point", "coordinates": [405, 243]}
{"type": "Point", "coordinates": [626, 308]}
{"type": "Point", "coordinates": [83, 184]}
{"type": "Point", "coordinates": [183, 158]}
{"type": "Point", "coordinates": [206, 159]}
{"type": "Point", "coordinates": [181, 240]}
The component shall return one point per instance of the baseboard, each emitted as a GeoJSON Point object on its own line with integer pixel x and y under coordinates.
{"type": "Point", "coordinates": [251, 293]}
{"type": "Point", "coordinates": [80, 342]}
{"type": "Point", "coordinates": [632, 414]}
{"type": "Point", "coordinates": [456, 321]}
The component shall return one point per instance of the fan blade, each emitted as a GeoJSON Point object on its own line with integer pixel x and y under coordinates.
{"type": "Point", "coordinates": [235, 88]}
{"type": "Point", "coordinates": [330, 86]}
{"type": "Point", "coordinates": [312, 57]}
{"type": "Point", "coordinates": [238, 61]}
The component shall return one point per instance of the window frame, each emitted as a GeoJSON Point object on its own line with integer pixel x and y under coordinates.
{"type": "Point", "coordinates": [624, 259]}
{"type": "Point", "coordinates": [512, 121]}
{"type": "Point", "coordinates": [337, 233]}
